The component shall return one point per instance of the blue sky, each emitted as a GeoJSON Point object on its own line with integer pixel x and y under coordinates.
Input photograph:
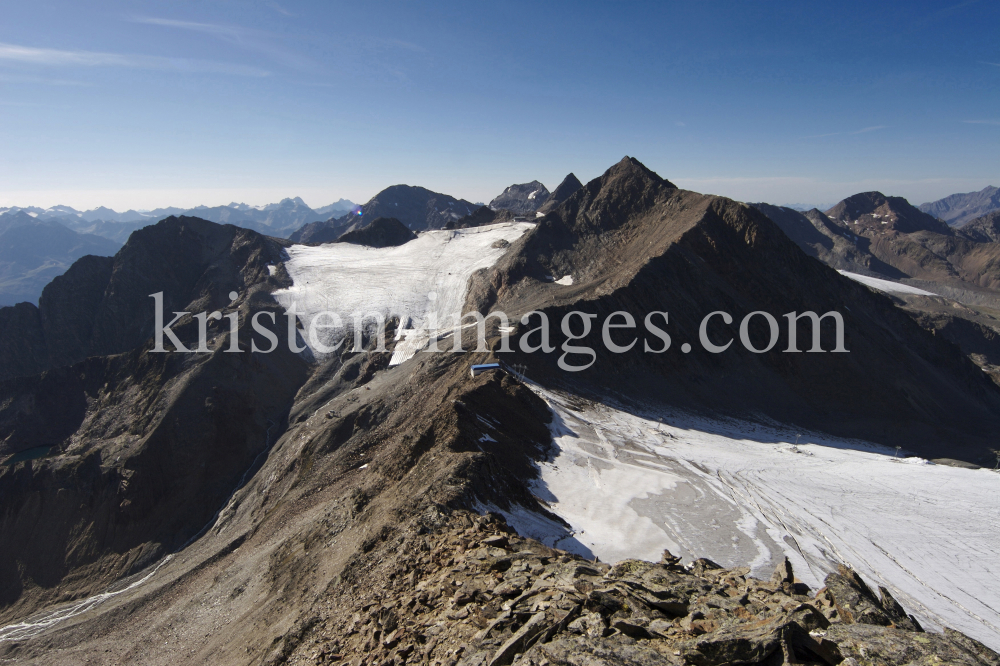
{"type": "Point", "coordinates": [143, 104]}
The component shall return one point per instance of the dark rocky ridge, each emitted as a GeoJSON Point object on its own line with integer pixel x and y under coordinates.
{"type": "Point", "coordinates": [893, 240]}
{"type": "Point", "coordinates": [634, 242]}
{"type": "Point", "coordinates": [416, 207]}
{"type": "Point", "coordinates": [522, 199]}
{"type": "Point", "coordinates": [354, 544]}
{"type": "Point", "coordinates": [819, 236]}
{"type": "Point", "coordinates": [958, 209]}
{"type": "Point", "coordinates": [566, 189]}
{"type": "Point", "coordinates": [103, 306]}
{"type": "Point", "coordinates": [382, 232]}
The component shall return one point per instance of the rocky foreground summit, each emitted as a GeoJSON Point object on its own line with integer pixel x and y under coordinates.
{"type": "Point", "coordinates": [465, 589]}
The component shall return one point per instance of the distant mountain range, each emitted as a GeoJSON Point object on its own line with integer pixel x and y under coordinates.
{"type": "Point", "coordinates": [277, 219]}
{"type": "Point", "coordinates": [33, 251]}
{"type": "Point", "coordinates": [37, 244]}
{"type": "Point", "coordinates": [958, 209]}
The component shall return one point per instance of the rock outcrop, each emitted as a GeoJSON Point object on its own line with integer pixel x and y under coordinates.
{"type": "Point", "coordinates": [481, 217]}
{"type": "Point", "coordinates": [466, 589]}
{"type": "Point", "coordinates": [985, 229]}
{"type": "Point", "coordinates": [382, 232]}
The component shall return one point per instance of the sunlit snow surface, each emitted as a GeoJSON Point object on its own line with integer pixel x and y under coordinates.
{"type": "Point", "coordinates": [885, 285]}
{"type": "Point", "coordinates": [744, 495]}
{"type": "Point", "coordinates": [418, 281]}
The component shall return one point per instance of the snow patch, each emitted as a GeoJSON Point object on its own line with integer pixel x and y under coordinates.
{"type": "Point", "coordinates": [885, 285]}
{"type": "Point", "coordinates": [566, 279]}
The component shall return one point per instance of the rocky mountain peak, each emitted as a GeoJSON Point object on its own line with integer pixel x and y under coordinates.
{"type": "Point", "coordinates": [15, 218]}
{"type": "Point", "coordinates": [631, 168]}
{"type": "Point", "coordinates": [567, 188]}
{"type": "Point", "coordinates": [875, 211]}
{"type": "Point", "coordinates": [523, 198]}
{"type": "Point", "coordinates": [418, 208]}
{"type": "Point", "coordinates": [624, 190]}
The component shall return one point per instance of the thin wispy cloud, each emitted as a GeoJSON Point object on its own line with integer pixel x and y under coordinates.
{"type": "Point", "coordinates": [60, 58]}
{"type": "Point", "coordinates": [863, 130]}
{"type": "Point", "coordinates": [981, 122]}
{"type": "Point", "coordinates": [278, 8]}
{"type": "Point", "coordinates": [992, 64]}
{"type": "Point", "coordinates": [7, 78]}
{"type": "Point", "coordinates": [232, 32]}
{"type": "Point", "coordinates": [245, 38]}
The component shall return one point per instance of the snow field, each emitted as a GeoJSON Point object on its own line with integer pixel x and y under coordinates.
{"type": "Point", "coordinates": [745, 495]}
{"type": "Point", "coordinates": [423, 281]}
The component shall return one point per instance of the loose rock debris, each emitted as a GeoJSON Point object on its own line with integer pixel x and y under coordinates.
{"type": "Point", "coordinates": [471, 592]}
